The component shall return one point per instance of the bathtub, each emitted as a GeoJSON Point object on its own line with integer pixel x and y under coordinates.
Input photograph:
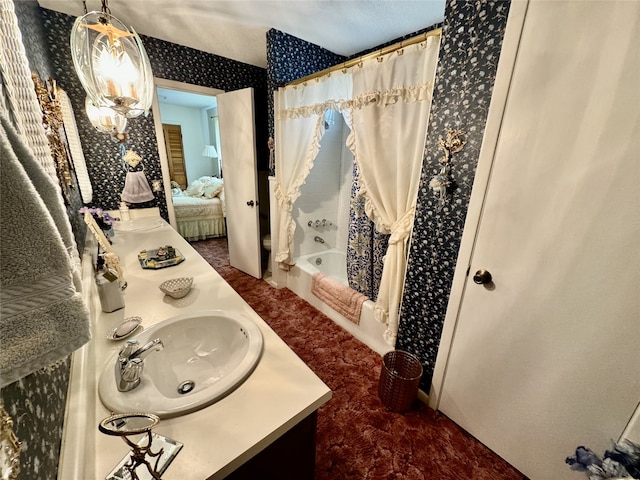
{"type": "Point", "coordinates": [333, 262]}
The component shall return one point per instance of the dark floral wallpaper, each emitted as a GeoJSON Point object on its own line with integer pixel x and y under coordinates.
{"type": "Point", "coordinates": [184, 64]}
{"type": "Point", "coordinates": [469, 53]}
{"type": "Point", "coordinates": [37, 404]}
{"type": "Point", "coordinates": [168, 61]}
{"type": "Point", "coordinates": [290, 58]}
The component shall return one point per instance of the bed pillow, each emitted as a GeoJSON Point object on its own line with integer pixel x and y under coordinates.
{"type": "Point", "coordinates": [213, 188]}
{"type": "Point", "coordinates": [195, 189]}
{"type": "Point", "coordinates": [205, 180]}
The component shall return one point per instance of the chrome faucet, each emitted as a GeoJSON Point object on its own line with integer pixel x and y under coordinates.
{"type": "Point", "coordinates": [318, 239]}
{"type": "Point", "coordinates": [130, 363]}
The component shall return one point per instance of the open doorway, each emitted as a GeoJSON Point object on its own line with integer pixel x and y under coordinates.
{"type": "Point", "coordinates": [188, 113]}
{"type": "Point", "coordinates": [195, 111]}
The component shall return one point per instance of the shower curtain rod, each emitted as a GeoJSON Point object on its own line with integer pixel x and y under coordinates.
{"type": "Point", "coordinates": [354, 61]}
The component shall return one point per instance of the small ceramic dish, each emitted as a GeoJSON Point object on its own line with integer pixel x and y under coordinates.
{"type": "Point", "coordinates": [177, 287]}
{"type": "Point", "coordinates": [125, 329]}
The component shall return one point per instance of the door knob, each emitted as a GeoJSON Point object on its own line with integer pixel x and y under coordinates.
{"type": "Point", "coordinates": [482, 277]}
{"type": "Point", "coordinates": [250, 203]}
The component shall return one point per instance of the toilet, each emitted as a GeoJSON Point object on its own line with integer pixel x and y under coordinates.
{"type": "Point", "coordinates": [266, 244]}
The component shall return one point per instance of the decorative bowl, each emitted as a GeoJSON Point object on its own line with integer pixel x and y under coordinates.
{"type": "Point", "coordinates": [177, 287]}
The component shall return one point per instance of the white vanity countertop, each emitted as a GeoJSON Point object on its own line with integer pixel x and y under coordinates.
{"type": "Point", "coordinates": [281, 391]}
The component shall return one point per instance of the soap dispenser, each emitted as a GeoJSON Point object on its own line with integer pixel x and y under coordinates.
{"type": "Point", "coordinates": [109, 291]}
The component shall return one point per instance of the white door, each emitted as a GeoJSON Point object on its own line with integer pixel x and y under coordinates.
{"type": "Point", "coordinates": [239, 168]}
{"type": "Point", "coordinates": [546, 356]}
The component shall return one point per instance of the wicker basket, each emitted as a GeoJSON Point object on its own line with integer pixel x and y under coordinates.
{"type": "Point", "coordinates": [399, 380]}
{"type": "Point", "coordinates": [177, 287]}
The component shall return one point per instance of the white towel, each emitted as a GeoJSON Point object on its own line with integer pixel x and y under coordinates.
{"type": "Point", "coordinates": [43, 317]}
{"type": "Point", "coordinates": [136, 188]}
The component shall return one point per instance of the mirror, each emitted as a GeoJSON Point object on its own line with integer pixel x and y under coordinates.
{"type": "Point", "coordinates": [123, 424]}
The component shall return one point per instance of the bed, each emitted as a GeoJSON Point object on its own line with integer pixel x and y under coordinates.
{"type": "Point", "coordinates": [200, 209]}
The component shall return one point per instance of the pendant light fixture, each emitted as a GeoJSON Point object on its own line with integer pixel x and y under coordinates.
{"type": "Point", "coordinates": [105, 119]}
{"type": "Point", "coordinates": [112, 63]}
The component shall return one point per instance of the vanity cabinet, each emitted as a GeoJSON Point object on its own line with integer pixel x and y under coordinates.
{"type": "Point", "coordinates": [291, 457]}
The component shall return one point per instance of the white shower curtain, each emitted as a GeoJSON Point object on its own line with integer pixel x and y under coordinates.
{"type": "Point", "coordinates": [385, 102]}
{"type": "Point", "coordinates": [390, 109]}
{"type": "Point", "coordinates": [299, 129]}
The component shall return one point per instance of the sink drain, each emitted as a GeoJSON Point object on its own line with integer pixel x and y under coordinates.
{"type": "Point", "coordinates": [186, 387]}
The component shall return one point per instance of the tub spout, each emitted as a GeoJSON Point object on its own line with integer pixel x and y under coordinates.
{"type": "Point", "coordinates": [318, 239]}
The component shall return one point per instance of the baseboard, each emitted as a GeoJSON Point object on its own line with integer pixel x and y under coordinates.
{"type": "Point", "coordinates": [423, 397]}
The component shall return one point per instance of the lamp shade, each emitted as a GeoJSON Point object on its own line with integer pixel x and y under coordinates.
{"type": "Point", "coordinates": [112, 64]}
{"type": "Point", "coordinates": [210, 151]}
{"type": "Point", "coordinates": [105, 119]}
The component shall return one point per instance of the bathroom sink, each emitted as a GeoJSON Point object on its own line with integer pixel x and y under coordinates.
{"type": "Point", "coordinates": [206, 355]}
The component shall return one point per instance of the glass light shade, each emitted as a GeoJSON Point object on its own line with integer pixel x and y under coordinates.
{"type": "Point", "coordinates": [112, 64]}
{"type": "Point", "coordinates": [105, 119]}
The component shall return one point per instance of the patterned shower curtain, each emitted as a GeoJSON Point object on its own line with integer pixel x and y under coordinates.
{"type": "Point", "coordinates": [365, 246]}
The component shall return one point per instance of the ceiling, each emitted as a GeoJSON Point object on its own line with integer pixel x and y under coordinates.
{"type": "Point", "coordinates": [185, 99]}
{"type": "Point", "coordinates": [237, 29]}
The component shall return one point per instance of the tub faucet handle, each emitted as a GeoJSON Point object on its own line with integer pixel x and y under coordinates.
{"type": "Point", "coordinates": [310, 223]}
{"type": "Point", "coordinates": [316, 223]}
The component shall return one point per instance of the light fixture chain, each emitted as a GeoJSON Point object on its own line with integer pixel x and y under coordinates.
{"type": "Point", "coordinates": [105, 7]}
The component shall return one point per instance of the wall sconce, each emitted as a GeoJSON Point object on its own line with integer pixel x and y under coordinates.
{"type": "Point", "coordinates": [105, 119]}
{"type": "Point", "coordinates": [111, 63]}
{"type": "Point", "coordinates": [453, 143]}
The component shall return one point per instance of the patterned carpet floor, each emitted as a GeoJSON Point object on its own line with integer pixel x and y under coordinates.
{"type": "Point", "coordinates": [358, 438]}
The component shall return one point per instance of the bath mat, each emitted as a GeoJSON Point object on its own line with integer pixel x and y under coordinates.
{"type": "Point", "coordinates": [344, 300]}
